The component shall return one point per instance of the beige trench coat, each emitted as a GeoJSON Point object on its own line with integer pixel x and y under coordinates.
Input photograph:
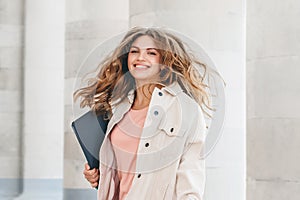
{"type": "Point", "coordinates": [168, 162]}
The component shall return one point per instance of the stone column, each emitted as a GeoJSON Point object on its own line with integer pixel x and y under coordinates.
{"type": "Point", "coordinates": [11, 90]}
{"type": "Point", "coordinates": [43, 100]}
{"type": "Point", "coordinates": [219, 26]}
{"type": "Point", "coordinates": [273, 96]}
{"type": "Point", "coordinates": [87, 25]}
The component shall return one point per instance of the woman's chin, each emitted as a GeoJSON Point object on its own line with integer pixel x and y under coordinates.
{"type": "Point", "coordinates": [142, 77]}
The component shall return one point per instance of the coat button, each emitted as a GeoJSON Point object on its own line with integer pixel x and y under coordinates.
{"type": "Point", "coordinates": [147, 144]}
{"type": "Point", "coordinates": [172, 129]}
{"type": "Point", "coordinates": [160, 93]}
{"type": "Point", "coordinates": [155, 112]}
{"type": "Point", "coordinates": [139, 176]}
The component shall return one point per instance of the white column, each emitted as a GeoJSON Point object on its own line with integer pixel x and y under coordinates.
{"type": "Point", "coordinates": [220, 27]}
{"type": "Point", "coordinates": [88, 23]}
{"type": "Point", "coordinates": [43, 99]}
{"type": "Point", "coordinates": [11, 89]}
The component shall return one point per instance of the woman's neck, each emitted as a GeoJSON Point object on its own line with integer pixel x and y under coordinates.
{"type": "Point", "coordinates": [143, 96]}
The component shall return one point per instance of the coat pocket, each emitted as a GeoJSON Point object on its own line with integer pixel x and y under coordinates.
{"type": "Point", "coordinates": [172, 124]}
{"type": "Point", "coordinates": [172, 129]}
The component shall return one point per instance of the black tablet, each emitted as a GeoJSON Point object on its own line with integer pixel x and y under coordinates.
{"type": "Point", "coordinates": [90, 132]}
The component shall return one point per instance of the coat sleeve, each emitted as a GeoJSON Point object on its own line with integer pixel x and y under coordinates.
{"type": "Point", "coordinates": [190, 176]}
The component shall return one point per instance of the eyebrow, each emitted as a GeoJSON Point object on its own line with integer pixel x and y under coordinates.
{"type": "Point", "coordinates": [149, 48]}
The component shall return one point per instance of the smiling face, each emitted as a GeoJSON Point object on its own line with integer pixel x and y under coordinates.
{"type": "Point", "coordinates": [144, 60]}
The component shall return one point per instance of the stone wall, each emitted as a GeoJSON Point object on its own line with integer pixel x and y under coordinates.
{"type": "Point", "coordinates": [11, 96]}
{"type": "Point", "coordinates": [273, 94]}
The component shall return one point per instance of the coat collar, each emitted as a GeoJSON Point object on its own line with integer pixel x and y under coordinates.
{"type": "Point", "coordinates": [172, 89]}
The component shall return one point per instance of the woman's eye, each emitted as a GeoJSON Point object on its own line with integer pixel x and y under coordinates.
{"type": "Point", "coordinates": [133, 51]}
{"type": "Point", "coordinates": [152, 53]}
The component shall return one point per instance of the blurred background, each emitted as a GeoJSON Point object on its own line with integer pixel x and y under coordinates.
{"type": "Point", "coordinates": [255, 45]}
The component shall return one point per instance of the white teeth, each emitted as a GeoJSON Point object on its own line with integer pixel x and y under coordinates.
{"type": "Point", "coordinates": [141, 66]}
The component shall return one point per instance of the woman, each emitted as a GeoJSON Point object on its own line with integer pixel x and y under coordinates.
{"type": "Point", "coordinates": [154, 98]}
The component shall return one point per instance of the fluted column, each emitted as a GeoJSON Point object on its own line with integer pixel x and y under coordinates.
{"type": "Point", "coordinates": [87, 25]}
{"type": "Point", "coordinates": [219, 26]}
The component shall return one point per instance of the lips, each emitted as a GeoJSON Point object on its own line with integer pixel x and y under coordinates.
{"type": "Point", "coordinates": [141, 66]}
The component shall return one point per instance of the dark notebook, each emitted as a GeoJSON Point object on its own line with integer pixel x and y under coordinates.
{"type": "Point", "coordinates": [90, 132]}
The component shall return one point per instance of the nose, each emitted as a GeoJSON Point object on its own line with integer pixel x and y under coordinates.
{"type": "Point", "coordinates": [141, 55]}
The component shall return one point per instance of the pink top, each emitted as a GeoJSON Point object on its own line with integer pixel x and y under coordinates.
{"type": "Point", "coordinates": [125, 138]}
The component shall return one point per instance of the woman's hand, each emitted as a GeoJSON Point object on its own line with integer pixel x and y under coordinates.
{"type": "Point", "coordinates": [92, 175]}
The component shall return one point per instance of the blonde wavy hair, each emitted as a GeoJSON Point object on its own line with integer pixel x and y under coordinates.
{"type": "Point", "coordinates": [113, 80]}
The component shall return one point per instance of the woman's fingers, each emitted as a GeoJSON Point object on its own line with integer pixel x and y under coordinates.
{"type": "Point", "coordinates": [95, 174]}
{"type": "Point", "coordinates": [86, 166]}
{"type": "Point", "coordinates": [94, 184]}
{"type": "Point", "coordinates": [92, 175]}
